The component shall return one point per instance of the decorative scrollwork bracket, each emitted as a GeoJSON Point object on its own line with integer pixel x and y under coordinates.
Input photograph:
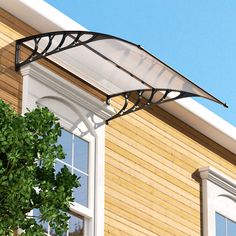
{"type": "Point", "coordinates": [142, 99]}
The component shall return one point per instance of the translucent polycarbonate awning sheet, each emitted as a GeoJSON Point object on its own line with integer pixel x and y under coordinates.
{"type": "Point", "coordinates": [112, 65]}
{"type": "Point", "coordinates": [144, 67]}
{"type": "Point", "coordinates": [99, 72]}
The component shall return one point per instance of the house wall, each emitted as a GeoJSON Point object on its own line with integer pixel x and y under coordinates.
{"type": "Point", "coordinates": [151, 157]}
{"type": "Point", "coordinates": [151, 181]}
{"type": "Point", "coordinates": [10, 81]}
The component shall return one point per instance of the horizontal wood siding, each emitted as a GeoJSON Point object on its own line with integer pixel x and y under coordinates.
{"type": "Point", "coordinates": [151, 159]}
{"type": "Point", "coordinates": [10, 81]}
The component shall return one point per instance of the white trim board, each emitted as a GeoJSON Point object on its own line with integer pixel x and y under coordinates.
{"type": "Point", "coordinates": [40, 15]}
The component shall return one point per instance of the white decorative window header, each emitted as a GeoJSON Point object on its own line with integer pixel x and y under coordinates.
{"type": "Point", "coordinates": [218, 196]}
{"type": "Point", "coordinates": [218, 179]}
{"type": "Point", "coordinates": [61, 87]}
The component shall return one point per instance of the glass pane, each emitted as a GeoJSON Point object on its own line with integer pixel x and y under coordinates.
{"type": "Point", "coordinates": [220, 225]}
{"type": "Point", "coordinates": [231, 228]}
{"type": "Point", "coordinates": [81, 154]}
{"type": "Point", "coordinates": [81, 193]}
{"type": "Point", "coordinates": [76, 226]}
{"type": "Point", "coordinates": [36, 215]}
{"type": "Point", "coordinates": [53, 232]}
{"type": "Point", "coordinates": [59, 165]}
{"type": "Point", "coordinates": [66, 141]}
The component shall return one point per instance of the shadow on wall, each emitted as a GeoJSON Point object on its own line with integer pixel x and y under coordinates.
{"type": "Point", "coordinates": [192, 134]}
{"type": "Point", "coordinates": [10, 80]}
{"type": "Point", "coordinates": [197, 178]}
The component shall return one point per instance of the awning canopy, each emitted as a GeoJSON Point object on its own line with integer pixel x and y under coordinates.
{"type": "Point", "coordinates": [114, 66]}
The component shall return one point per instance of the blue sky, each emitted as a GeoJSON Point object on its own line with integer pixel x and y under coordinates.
{"type": "Point", "coordinates": [197, 38]}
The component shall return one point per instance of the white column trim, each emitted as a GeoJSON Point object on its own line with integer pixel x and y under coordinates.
{"type": "Point", "coordinates": [99, 201]}
{"type": "Point", "coordinates": [40, 85]}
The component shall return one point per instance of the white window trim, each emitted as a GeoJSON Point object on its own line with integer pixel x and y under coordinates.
{"type": "Point", "coordinates": [218, 195]}
{"type": "Point", "coordinates": [87, 212]}
{"type": "Point", "coordinates": [34, 76]}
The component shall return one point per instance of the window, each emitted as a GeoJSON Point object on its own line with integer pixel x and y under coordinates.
{"type": "Point", "coordinates": [82, 117]}
{"type": "Point", "coordinates": [224, 226]}
{"type": "Point", "coordinates": [77, 161]}
{"type": "Point", "coordinates": [76, 225]}
{"type": "Point", "coordinates": [218, 203]}
{"type": "Point", "coordinates": [79, 145]}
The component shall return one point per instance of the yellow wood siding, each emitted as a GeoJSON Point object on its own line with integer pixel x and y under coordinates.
{"type": "Point", "coordinates": [11, 81]}
{"type": "Point", "coordinates": [151, 158]}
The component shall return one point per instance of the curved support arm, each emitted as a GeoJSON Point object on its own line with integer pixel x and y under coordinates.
{"type": "Point", "coordinates": [142, 99]}
{"type": "Point", "coordinates": [51, 43]}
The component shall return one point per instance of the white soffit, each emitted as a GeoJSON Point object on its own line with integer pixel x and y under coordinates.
{"type": "Point", "coordinates": [45, 18]}
{"type": "Point", "coordinates": [40, 15]}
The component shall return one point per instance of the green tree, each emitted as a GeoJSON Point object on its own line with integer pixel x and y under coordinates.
{"type": "Point", "coordinates": [28, 149]}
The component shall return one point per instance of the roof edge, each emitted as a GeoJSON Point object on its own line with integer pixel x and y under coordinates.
{"type": "Point", "coordinates": [187, 110]}
{"type": "Point", "coordinates": [40, 15]}
{"type": "Point", "coordinates": [202, 119]}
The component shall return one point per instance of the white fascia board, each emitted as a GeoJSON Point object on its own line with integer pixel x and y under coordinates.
{"type": "Point", "coordinates": [45, 18]}
{"type": "Point", "coordinates": [40, 15]}
{"type": "Point", "coordinates": [204, 120]}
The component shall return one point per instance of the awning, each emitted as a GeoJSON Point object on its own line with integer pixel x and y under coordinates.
{"type": "Point", "coordinates": [114, 66]}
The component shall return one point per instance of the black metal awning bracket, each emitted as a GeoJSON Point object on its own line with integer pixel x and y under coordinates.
{"type": "Point", "coordinates": [36, 54]}
{"type": "Point", "coordinates": [147, 102]}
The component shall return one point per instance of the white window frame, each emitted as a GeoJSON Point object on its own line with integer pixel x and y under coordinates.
{"type": "Point", "coordinates": [84, 115]}
{"type": "Point", "coordinates": [218, 195]}
{"type": "Point", "coordinates": [86, 212]}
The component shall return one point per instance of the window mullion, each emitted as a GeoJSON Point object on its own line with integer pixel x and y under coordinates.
{"type": "Point", "coordinates": [226, 226]}
{"type": "Point", "coordinates": [72, 152]}
{"type": "Point", "coordinates": [49, 229]}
